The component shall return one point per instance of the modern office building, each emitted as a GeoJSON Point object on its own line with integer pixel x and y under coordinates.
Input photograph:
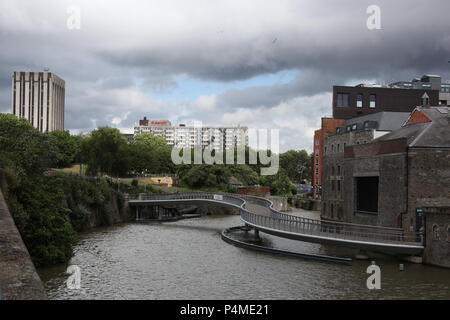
{"type": "Point", "coordinates": [218, 138]}
{"type": "Point", "coordinates": [39, 97]}
{"type": "Point", "coordinates": [350, 102]}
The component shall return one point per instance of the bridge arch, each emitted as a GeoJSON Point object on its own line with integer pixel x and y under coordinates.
{"type": "Point", "coordinates": [259, 213]}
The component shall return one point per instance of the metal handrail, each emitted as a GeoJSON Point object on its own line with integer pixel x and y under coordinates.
{"type": "Point", "coordinates": [280, 221]}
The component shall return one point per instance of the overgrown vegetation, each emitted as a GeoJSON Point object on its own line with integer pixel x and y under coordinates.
{"type": "Point", "coordinates": [50, 208]}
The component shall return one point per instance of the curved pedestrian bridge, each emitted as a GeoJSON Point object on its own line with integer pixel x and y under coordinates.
{"type": "Point", "coordinates": [259, 213]}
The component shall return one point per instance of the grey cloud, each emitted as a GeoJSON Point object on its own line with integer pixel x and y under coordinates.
{"type": "Point", "coordinates": [121, 50]}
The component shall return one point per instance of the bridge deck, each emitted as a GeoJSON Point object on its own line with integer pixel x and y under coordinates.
{"type": "Point", "coordinates": [259, 213]}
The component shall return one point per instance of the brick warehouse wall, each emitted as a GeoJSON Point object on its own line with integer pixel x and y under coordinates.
{"type": "Point", "coordinates": [333, 161]}
{"type": "Point", "coordinates": [429, 187]}
{"type": "Point", "coordinates": [437, 250]}
{"type": "Point", "coordinates": [386, 160]}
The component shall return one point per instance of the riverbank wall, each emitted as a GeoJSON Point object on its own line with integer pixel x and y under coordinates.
{"type": "Point", "coordinates": [306, 204]}
{"type": "Point", "coordinates": [18, 277]}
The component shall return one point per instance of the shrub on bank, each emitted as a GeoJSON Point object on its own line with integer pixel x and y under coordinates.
{"type": "Point", "coordinates": [50, 210]}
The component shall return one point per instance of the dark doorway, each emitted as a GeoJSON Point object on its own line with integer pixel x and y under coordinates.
{"type": "Point", "coordinates": [367, 194]}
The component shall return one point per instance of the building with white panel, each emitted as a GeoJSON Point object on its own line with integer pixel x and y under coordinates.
{"type": "Point", "coordinates": [217, 138]}
{"type": "Point", "coordinates": [39, 97]}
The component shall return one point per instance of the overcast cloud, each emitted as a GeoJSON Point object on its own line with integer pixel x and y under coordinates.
{"type": "Point", "coordinates": [268, 64]}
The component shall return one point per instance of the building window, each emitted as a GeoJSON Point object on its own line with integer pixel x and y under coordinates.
{"type": "Point", "coordinates": [332, 148]}
{"type": "Point", "coordinates": [332, 185]}
{"type": "Point", "coordinates": [435, 232]}
{"type": "Point", "coordinates": [317, 142]}
{"type": "Point", "coordinates": [448, 234]}
{"type": "Point", "coordinates": [339, 148]}
{"type": "Point", "coordinates": [373, 101]}
{"type": "Point", "coordinates": [332, 170]}
{"type": "Point", "coordinates": [339, 170]}
{"type": "Point", "coordinates": [332, 210]}
{"type": "Point", "coordinates": [366, 195]}
{"type": "Point", "coordinates": [317, 170]}
{"type": "Point", "coordinates": [359, 100]}
{"type": "Point", "coordinates": [445, 88]}
{"type": "Point", "coordinates": [339, 185]}
{"type": "Point", "coordinates": [342, 100]}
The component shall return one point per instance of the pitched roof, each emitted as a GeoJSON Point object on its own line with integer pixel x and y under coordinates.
{"type": "Point", "coordinates": [434, 134]}
{"type": "Point", "coordinates": [381, 121]}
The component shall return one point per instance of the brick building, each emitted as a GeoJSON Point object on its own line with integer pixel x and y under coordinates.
{"type": "Point", "coordinates": [329, 125]}
{"type": "Point", "coordinates": [402, 179]}
{"type": "Point", "coordinates": [360, 130]}
{"type": "Point", "coordinates": [366, 99]}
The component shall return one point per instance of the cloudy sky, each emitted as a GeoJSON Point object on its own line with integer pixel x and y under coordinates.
{"type": "Point", "coordinates": [263, 64]}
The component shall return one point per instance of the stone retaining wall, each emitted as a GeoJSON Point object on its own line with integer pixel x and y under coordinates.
{"type": "Point", "coordinates": [18, 277]}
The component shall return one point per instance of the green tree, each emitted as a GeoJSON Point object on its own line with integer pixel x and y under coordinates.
{"type": "Point", "coordinates": [106, 151]}
{"type": "Point", "coordinates": [151, 154]}
{"type": "Point", "coordinates": [279, 183]}
{"type": "Point", "coordinates": [207, 176]}
{"type": "Point", "coordinates": [43, 222]}
{"type": "Point", "coordinates": [297, 164]}
{"type": "Point", "coordinates": [68, 147]}
{"type": "Point", "coordinates": [243, 173]}
{"type": "Point", "coordinates": [23, 148]}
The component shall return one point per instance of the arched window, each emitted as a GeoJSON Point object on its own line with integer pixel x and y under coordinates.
{"type": "Point", "coordinates": [435, 232]}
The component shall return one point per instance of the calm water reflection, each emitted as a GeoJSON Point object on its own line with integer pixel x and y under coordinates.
{"type": "Point", "coordinates": [188, 260]}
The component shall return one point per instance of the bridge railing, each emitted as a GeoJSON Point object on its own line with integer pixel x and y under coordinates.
{"type": "Point", "coordinates": [348, 231]}
{"type": "Point", "coordinates": [270, 218]}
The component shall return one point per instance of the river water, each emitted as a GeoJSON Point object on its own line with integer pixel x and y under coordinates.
{"type": "Point", "coordinates": [188, 260]}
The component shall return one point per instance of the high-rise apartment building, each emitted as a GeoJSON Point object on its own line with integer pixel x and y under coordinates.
{"type": "Point", "coordinates": [39, 98]}
{"type": "Point", "coordinates": [218, 138]}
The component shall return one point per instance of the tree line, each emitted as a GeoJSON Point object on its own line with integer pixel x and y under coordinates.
{"type": "Point", "coordinates": [105, 151]}
{"type": "Point", "coordinates": [50, 208]}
